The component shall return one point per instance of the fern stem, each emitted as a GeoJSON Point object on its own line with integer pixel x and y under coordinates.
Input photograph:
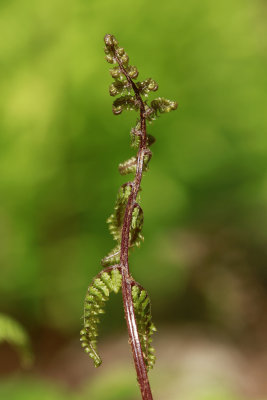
{"type": "Point", "coordinates": [134, 339]}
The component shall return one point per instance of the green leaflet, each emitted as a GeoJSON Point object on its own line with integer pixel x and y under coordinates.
{"type": "Point", "coordinates": [116, 73]}
{"type": "Point", "coordinates": [115, 221]}
{"type": "Point", "coordinates": [112, 258]}
{"type": "Point", "coordinates": [135, 136]}
{"type": "Point", "coordinates": [112, 47]}
{"type": "Point", "coordinates": [145, 326]}
{"type": "Point", "coordinates": [97, 294]}
{"type": "Point", "coordinates": [112, 50]}
{"type": "Point", "coordinates": [132, 71]}
{"type": "Point", "coordinates": [162, 105]}
{"type": "Point", "coordinates": [149, 85]}
{"type": "Point", "coordinates": [136, 227]}
{"type": "Point", "coordinates": [125, 103]}
{"type": "Point", "coordinates": [120, 87]}
{"type": "Point", "coordinates": [128, 166]}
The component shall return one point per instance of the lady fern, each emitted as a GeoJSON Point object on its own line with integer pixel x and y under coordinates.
{"type": "Point", "coordinates": [126, 221]}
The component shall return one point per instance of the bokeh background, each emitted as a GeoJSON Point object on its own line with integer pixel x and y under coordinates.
{"type": "Point", "coordinates": [204, 198]}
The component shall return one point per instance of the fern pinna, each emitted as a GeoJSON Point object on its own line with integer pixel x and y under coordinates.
{"type": "Point", "coordinates": [125, 223]}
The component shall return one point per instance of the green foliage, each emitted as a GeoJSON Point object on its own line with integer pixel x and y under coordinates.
{"type": "Point", "coordinates": [112, 258]}
{"type": "Point", "coordinates": [136, 226]}
{"type": "Point", "coordinates": [14, 334]}
{"type": "Point", "coordinates": [97, 294]}
{"type": "Point", "coordinates": [128, 166]}
{"type": "Point", "coordinates": [115, 221]}
{"type": "Point", "coordinates": [135, 136]}
{"type": "Point", "coordinates": [160, 105]}
{"type": "Point", "coordinates": [146, 328]}
{"type": "Point", "coordinates": [146, 86]}
{"type": "Point", "coordinates": [127, 103]}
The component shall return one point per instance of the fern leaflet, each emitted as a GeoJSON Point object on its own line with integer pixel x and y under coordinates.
{"type": "Point", "coordinates": [145, 326]}
{"type": "Point", "coordinates": [97, 295]}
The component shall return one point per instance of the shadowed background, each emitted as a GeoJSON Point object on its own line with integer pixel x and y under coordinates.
{"type": "Point", "coordinates": [204, 198]}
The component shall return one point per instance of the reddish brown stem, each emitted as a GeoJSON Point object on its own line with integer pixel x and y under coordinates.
{"type": "Point", "coordinates": [134, 339]}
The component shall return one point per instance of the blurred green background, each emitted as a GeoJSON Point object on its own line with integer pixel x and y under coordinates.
{"type": "Point", "coordinates": [204, 198]}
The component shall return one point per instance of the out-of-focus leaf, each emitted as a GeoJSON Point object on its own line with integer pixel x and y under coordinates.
{"type": "Point", "coordinates": [13, 333]}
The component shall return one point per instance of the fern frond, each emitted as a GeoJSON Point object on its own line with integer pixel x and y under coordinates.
{"type": "Point", "coordinates": [116, 73]}
{"type": "Point", "coordinates": [126, 221]}
{"type": "Point", "coordinates": [112, 46]}
{"type": "Point", "coordinates": [116, 280]}
{"type": "Point", "coordinates": [14, 334]}
{"type": "Point", "coordinates": [132, 71]}
{"type": "Point", "coordinates": [120, 87]}
{"type": "Point", "coordinates": [145, 326]}
{"type": "Point", "coordinates": [115, 221]}
{"type": "Point", "coordinates": [125, 103]}
{"type": "Point", "coordinates": [128, 166]}
{"type": "Point", "coordinates": [113, 257]}
{"type": "Point", "coordinates": [136, 227]}
{"type": "Point", "coordinates": [149, 85]}
{"type": "Point", "coordinates": [97, 295]}
{"type": "Point", "coordinates": [136, 134]}
{"type": "Point", "coordinates": [162, 105]}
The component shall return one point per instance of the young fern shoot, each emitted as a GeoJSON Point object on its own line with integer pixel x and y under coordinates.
{"type": "Point", "coordinates": [125, 223]}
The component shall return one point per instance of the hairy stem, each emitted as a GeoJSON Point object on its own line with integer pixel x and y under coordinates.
{"type": "Point", "coordinates": [134, 339]}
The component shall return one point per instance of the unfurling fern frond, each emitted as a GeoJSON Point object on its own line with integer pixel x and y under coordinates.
{"type": "Point", "coordinates": [126, 221]}
{"type": "Point", "coordinates": [112, 258]}
{"type": "Point", "coordinates": [128, 166]}
{"type": "Point", "coordinates": [116, 73]}
{"type": "Point", "coordinates": [136, 227]}
{"type": "Point", "coordinates": [162, 106]}
{"type": "Point", "coordinates": [125, 103]}
{"type": "Point", "coordinates": [115, 221]}
{"type": "Point", "coordinates": [136, 134]}
{"type": "Point", "coordinates": [119, 87]}
{"type": "Point", "coordinates": [149, 85]}
{"type": "Point", "coordinates": [145, 326]}
{"type": "Point", "coordinates": [97, 294]}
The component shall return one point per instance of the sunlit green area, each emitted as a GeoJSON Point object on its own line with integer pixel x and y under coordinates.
{"type": "Point", "coordinates": [204, 198]}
